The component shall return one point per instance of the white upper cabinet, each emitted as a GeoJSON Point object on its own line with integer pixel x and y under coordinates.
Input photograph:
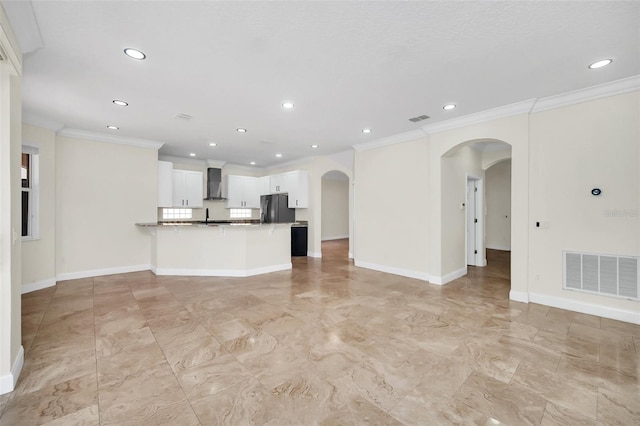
{"type": "Point", "coordinates": [165, 184]}
{"type": "Point", "coordinates": [297, 184]}
{"type": "Point", "coordinates": [187, 189]}
{"type": "Point", "coordinates": [244, 191]}
{"type": "Point", "coordinates": [278, 183]}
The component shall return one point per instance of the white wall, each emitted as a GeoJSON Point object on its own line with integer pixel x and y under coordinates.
{"type": "Point", "coordinates": [39, 256]}
{"type": "Point", "coordinates": [391, 208]}
{"type": "Point", "coordinates": [497, 189]}
{"type": "Point", "coordinates": [574, 149]}
{"type": "Point", "coordinates": [11, 353]}
{"type": "Point", "coordinates": [335, 208]}
{"type": "Point", "coordinates": [102, 190]}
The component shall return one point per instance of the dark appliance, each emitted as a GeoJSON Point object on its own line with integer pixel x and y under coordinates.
{"type": "Point", "coordinates": [298, 240]}
{"type": "Point", "coordinates": [214, 184]}
{"type": "Point", "coordinates": [274, 208]}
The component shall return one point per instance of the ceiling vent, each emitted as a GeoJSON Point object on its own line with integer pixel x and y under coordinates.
{"type": "Point", "coordinates": [419, 118]}
{"type": "Point", "coordinates": [183, 116]}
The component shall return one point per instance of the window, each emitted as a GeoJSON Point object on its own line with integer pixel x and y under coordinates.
{"type": "Point", "coordinates": [177, 214]}
{"type": "Point", "coordinates": [30, 186]}
{"type": "Point", "coordinates": [240, 213]}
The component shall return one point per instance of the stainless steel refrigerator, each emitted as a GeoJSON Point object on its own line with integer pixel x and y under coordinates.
{"type": "Point", "coordinates": [274, 208]}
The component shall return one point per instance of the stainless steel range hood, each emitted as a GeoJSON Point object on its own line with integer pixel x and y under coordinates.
{"type": "Point", "coordinates": [214, 184]}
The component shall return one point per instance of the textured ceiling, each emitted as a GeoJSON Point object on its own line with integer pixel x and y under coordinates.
{"type": "Point", "coordinates": [345, 65]}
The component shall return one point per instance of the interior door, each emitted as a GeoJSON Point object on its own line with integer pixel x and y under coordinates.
{"type": "Point", "coordinates": [472, 222]}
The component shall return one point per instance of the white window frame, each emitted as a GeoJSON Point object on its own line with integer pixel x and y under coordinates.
{"type": "Point", "coordinates": [33, 225]}
{"type": "Point", "coordinates": [240, 213]}
{"type": "Point", "coordinates": [171, 213]}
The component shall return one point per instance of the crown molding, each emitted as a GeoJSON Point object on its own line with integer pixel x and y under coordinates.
{"type": "Point", "coordinates": [391, 140]}
{"type": "Point", "coordinates": [102, 137]}
{"type": "Point", "coordinates": [182, 160]}
{"type": "Point", "coordinates": [523, 107]}
{"type": "Point", "coordinates": [38, 121]}
{"type": "Point", "coordinates": [618, 87]}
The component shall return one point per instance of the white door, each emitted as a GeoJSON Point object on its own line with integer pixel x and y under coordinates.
{"type": "Point", "coordinates": [472, 222]}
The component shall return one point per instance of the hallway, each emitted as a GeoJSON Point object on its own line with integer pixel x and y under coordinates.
{"type": "Point", "coordinates": [325, 343]}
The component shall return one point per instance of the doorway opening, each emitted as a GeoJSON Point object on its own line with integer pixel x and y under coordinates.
{"type": "Point", "coordinates": [335, 222]}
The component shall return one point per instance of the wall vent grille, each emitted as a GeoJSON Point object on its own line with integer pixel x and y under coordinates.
{"type": "Point", "coordinates": [609, 275]}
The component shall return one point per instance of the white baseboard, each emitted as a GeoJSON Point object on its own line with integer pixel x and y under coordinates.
{"type": "Point", "coordinates": [336, 237]}
{"type": "Point", "coordinates": [102, 272]}
{"type": "Point", "coordinates": [449, 277]}
{"type": "Point", "coordinates": [8, 381]}
{"type": "Point", "coordinates": [519, 296]}
{"type": "Point", "coordinates": [586, 308]}
{"type": "Point", "coordinates": [29, 287]}
{"type": "Point", "coordinates": [314, 254]}
{"type": "Point", "coordinates": [350, 255]}
{"type": "Point", "coordinates": [393, 270]}
{"type": "Point", "coordinates": [221, 272]}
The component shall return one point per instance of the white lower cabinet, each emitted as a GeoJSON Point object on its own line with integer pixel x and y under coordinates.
{"type": "Point", "coordinates": [187, 189]}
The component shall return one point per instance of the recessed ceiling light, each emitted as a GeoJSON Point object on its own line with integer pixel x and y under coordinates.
{"type": "Point", "coordinates": [600, 64]}
{"type": "Point", "coordinates": [213, 144]}
{"type": "Point", "coordinates": [241, 130]}
{"type": "Point", "coordinates": [134, 53]}
{"type": "Point", "coordinates": [112, 127]}
{"type": "Point", "coordinates": [279, 155]}
{"type": "Point", "coordinates": [287, 105]}
{"type": "Point", "coordinates": [449, 106]}
{"type": "Point", "coordinates": [253, 163]}
{"type": "Point", "coordinates": [120, 103]}
{"type": "Point", "coordinates": [366, 130]}
{"type": "Point", "coordinates": [314, 146]}
{"type": "Point", "coordinates": [192, 154]}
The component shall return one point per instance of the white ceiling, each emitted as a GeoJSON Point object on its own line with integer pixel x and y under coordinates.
{"type": "Point", "coordinates": [345, 65]}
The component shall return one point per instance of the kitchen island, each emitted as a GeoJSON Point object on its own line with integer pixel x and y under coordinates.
{"type": "Point", "coordinates": [219, 250]}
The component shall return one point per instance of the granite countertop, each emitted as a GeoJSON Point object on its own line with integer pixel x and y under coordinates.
{"type": "Point", "coordinates": [215, 223]}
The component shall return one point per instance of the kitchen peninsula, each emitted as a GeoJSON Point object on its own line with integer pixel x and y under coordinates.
{"type": "Point", "coordinates": [221, 250]}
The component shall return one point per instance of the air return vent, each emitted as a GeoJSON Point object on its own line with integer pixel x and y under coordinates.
{"type": "Point", "coordinates": [617, 276]}
{"type": "Point", "coordinates": [419, 118]}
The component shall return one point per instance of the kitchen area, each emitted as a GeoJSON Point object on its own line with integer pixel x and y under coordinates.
{"type": "Point", "coordinates": [236, 225]}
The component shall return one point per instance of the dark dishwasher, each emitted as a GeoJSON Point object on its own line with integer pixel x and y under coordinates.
{"type": "Point", "coordinates": [298, 241]}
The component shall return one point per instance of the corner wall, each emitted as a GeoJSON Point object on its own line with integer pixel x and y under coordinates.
{"type": "Point", "coordinates": [102, 191]}
{"type": "Point", "coordinates": [391, 203]}
{"type": "Point", "coordinates": [39, 256]}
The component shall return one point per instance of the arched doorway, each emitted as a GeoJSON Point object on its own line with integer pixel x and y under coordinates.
{"type": "Point", "coordinates": [464, 219]}
{"type": "Point", "coordinates": [335, 218]}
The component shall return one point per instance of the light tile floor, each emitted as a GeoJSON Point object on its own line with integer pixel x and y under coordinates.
{"type": "Point", "coordinates": [326, 343]}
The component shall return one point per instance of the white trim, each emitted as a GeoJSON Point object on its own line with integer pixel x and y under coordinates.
{"type": "Point", "coordinates": [9, 44]}
{"type": "Point", "coordinates": [586, 308]}
{"type": "Point", "coordinates": [9, 380]}
{"type": "Point", "coordinates": [350, 255]}
{"type": "Point", "coordinates": [29, 287]}
{"type": "Point", "coordinates": [103, 137]}
{"type": "Point", "coordinates": [393, 270]}
{"type": "Point", "coordinates": [101, 272]}
{"type": "Point", "coordinates": [505, 111]}
{"type": "Point", "coordinates": [221, 272]}
{"type": "Point", "coordinates": [314, 254]}
{"type": "Point", "coordinates": [391, 140]}
{"type": "Point", "coordinates": [519, 296]}
{"type": "Point", "coordinates": [182, 160]}
{"type": "Point", "coordinates": [44, 123]}
{"type": "Point", "coordinates": [335, 237]}
{"type": "Point", "coordinates": [618, 87]}
{"type": "Point", "coordinates": [449, 277]}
